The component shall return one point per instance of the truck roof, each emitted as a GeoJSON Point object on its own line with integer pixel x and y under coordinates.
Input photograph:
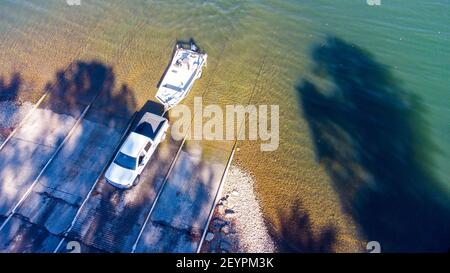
{"type": "Point", "coordinates": [134, 144]}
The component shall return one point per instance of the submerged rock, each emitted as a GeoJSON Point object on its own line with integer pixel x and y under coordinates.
{"type": "Point", "coordinates": [221, 209]}
{"type": "Point", "coordinates": [225, 229]}
{"type": "Point", "coordinates": [209, 236]}
{"type": "Point", "coordinates": [229, 211]}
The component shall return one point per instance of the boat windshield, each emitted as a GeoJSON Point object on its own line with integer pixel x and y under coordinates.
{"type": "Point", "coordinates": [173, 87]}
{"type": "Point", "coordinates": [125, 161]}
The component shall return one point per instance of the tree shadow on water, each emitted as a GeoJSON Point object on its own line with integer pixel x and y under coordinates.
{"type": "Point", "coordinates": [82, 83]}
{"type": "Point", "coordinates": [9, 91]}
{"type": "Point", "coordinates": [371, 137]}
{"type": "Point", "coordinates": [298, 235]}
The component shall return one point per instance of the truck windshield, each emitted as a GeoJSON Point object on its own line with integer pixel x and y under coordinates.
{"type": "Point", "coordinates": [125, 161]}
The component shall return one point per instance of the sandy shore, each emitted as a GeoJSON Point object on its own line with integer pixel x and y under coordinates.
{"type": "Point", "coordinates": [238, 224]}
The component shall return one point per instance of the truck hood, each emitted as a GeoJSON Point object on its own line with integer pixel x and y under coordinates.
{"type": "Point", "coordinates": [120, 176]}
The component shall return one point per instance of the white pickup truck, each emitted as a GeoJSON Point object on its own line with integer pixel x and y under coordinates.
{"type": "Point", "coordinates": [134, 154]}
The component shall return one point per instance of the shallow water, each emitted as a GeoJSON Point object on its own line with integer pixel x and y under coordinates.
{"type": "Point", "coordinates": [260, 52]}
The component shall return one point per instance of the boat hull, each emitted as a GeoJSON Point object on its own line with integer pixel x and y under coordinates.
{"type": "Point", "coordinates": [185, 68]}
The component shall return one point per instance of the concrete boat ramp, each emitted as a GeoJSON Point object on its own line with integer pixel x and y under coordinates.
{"type": "Point", "coordinates": [62, 149]}
{"type": "Point", "coordinates": [180, 216]}
{"type": "Point", "coordinates": [166, 212]}
{"type": "Point", "coordinates": [53, 191]}
{"type": "Point", "coordinates": [111, 218]}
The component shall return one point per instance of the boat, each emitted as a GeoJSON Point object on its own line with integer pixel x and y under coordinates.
{"type": "Point", "coordinates": [185, 68]}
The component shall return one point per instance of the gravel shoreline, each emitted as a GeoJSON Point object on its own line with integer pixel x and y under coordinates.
{"type": "Point", "coordinates": [237, 225]}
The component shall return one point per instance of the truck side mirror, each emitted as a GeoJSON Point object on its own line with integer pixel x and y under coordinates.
{"type": "Point", "coordinates": [141, 159]}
